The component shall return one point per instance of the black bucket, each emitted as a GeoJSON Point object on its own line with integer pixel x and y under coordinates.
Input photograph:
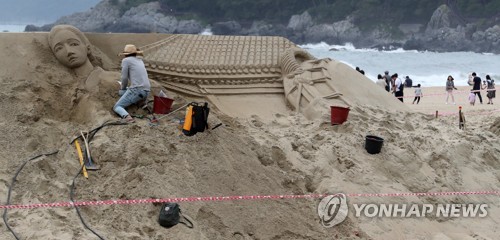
{"type": "Point", "coordinates": [373, 144]}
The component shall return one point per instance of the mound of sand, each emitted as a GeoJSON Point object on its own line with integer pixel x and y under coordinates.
{"type": "Point", "coordinates": [282, 153]}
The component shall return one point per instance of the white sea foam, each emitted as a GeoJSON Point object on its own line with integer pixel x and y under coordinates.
{"type": "Point", "coordinates": [426, 68]}
{"type": "Point", "coordinates": [207, 31]}
{"type": "Point", "coordinates": [348, 47]}
{"type": "Point", "coordinates": [12, 27]}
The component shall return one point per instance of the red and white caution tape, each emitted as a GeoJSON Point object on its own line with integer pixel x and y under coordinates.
{"type": "Point", "coordinates": [445, 114]}
{"type": "Point", "coordinates": [233, 198]}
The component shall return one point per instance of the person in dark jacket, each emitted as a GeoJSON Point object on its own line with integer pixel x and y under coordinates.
{"type": "Point", "coordinates": [477, 86]}
{"type": "Point", "coordinates": [408, 82]}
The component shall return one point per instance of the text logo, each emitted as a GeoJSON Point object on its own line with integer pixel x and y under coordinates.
{"type": "Point", "coordinates": [333, 209]}
{"type": "Point", "coordinates": [421, 210]}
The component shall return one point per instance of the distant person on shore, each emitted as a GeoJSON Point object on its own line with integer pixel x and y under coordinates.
{"type": "Point", "coordinates": [360, 70]}
{"type": "Point", "coordinates": [408, 82]}
{"type": "Point", "coordinates": [418, 94]}
{"type": "Point", "coordinates": [450, 86]}
{"type": "Point", "coordinates": [490, 87]}
{"type": "Point", "coordinates": [472, 98]}
{"type": "Point", "coordinates": [477, 87]}
{"type": "Point", "coordinates": [381, 81]}
{"type": "Point", "coordinates": [393, 82]}
{"type": "Point", "coordinates": [398, 87]}
{"type": "Point", "coordinates": [387, 81]}
{"type": "Point", "coordinates": [470, 80]}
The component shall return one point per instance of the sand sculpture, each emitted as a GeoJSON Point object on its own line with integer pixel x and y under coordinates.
{"type": "Point", "coordinates": [72, 49]}
{"type": "Point", "coordinates": [230, 65]}
{"type": "Point", "coordinates": [231, 70]}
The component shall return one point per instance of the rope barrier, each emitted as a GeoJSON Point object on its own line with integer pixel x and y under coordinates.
{"type": "Point", "coordinates": [232, 198]}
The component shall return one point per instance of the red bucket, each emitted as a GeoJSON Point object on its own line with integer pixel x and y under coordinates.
{"type": "Point", "coordinates": [338, 114]}
{"type": "Point", "coordinates": [162, 105]}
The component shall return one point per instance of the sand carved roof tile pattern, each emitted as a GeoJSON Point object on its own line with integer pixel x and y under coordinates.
{"type": "Point", "coordinates": [199, 60]}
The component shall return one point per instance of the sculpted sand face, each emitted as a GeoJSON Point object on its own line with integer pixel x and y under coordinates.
{"type": "Point", "coordinates": [71, 48]}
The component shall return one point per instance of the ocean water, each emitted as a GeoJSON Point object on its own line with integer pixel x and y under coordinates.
{"type": "Point", "coordinates": [12, 27]}
{"type": "Point", "coordinates": [426, 68]}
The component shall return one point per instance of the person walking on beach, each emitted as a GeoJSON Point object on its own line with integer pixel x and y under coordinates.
{"type": "Point", "coordinates": [490, 87]}
{"type": "Point", "coordinates": [418, 94]}
{"type": "Point", "coordinates": [477, 87]}
{"type": "Point", "coordinates": [381, 81]}
{"type": "Point", "coordinates": [398, 87]}
{"type": "Point", "coordinates": [472, 98]}
{"type": "Point", "coordinates": [133, 72]}
{"type": "Point", "coordinates": [387, 81]}
{"type": "Point", "coordinates": [450, 86]}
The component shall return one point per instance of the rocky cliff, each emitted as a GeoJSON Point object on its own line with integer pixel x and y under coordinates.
{"type": "Point", "coordinates": [106, 17]}
{"type": "Point", "coordinates": [445, 30]}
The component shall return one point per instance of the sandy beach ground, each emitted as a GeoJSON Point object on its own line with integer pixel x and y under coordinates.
{"type": "Point", "coordinates": [479, 117]}
{"type": "Point", "coordinates": [434, 99]}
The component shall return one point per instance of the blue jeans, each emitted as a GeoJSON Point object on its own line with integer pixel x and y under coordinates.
{"type": "Point", "coordinates": [131, 96]}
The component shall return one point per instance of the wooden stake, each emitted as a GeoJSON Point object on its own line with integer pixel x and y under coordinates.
{"type": "Point", "coordinates": [461, 119]}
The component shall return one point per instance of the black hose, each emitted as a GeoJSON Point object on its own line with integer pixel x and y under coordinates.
{"type": "Point", "coordinates": [91, 135]}
{"type": "Point", "coordinates": [95, 130]}
{"type": "Point", "coordinates": [71, 196]}
{"type": "Point", "coordinates": [12, 185]}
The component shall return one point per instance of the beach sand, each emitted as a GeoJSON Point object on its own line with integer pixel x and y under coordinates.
{"type": "Point", "coordinates": [273, 154]}
{"type": "Point", "coordinates": [435, 100]}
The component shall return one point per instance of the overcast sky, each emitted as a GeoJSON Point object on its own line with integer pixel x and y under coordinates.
{"type": "Point", "coordinates": [35, 11]}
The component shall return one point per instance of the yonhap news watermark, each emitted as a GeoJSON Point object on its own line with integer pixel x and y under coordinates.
{"type": "Point", "coordinates": [333, 210]}
{"type": "Point", "coordinates": [421, 210]}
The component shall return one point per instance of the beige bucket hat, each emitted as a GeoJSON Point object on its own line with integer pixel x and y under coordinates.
{"type": "Point", "coordinates": [130, 49]}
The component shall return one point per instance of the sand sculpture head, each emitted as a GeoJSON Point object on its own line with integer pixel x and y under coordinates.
{"type": "Point", "coordinates": [70, 46]}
